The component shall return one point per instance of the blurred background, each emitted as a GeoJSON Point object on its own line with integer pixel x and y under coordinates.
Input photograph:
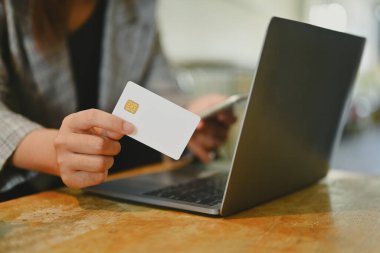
{"type": "Point", "coordinates": [214, 46]}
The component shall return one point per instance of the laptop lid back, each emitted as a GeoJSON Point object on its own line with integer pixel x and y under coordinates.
{"type": "Point", "coordinates": [294, 113]}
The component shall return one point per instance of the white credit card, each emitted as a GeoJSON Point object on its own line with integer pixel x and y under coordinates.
{"type": "Point", "coordinates": [159, 123]}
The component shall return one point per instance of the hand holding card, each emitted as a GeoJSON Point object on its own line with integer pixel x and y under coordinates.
{"type": "Point", "coordinates": [159, 123]}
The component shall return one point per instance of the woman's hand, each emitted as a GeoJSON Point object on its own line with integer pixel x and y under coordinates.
{"type": "Point", "coordinates": [85, 146]}
{"type": "Point", "coordinates": [212, 132]}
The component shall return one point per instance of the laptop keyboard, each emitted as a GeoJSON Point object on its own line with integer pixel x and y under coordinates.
{"type": "Point", "coordinates": [206, 191]}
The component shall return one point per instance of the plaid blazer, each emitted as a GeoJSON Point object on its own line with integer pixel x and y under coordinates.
{"type": "Point", "coordinates": [37, 90]}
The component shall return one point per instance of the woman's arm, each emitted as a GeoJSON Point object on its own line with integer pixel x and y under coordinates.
{"type": "Point", "coordinates": [80, 152]}
{"type": "Point", "coordinates": [36, 152]}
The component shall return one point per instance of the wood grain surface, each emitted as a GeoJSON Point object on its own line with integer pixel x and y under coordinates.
{"type": "Point", "coordinates": [339, 214]}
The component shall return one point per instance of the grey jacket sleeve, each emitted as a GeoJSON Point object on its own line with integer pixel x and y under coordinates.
{"type": "Point", "coordinates": [13, 127]}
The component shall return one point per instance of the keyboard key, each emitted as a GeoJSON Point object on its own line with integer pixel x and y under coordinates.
{"type": "Point", "coordinates": [206, 191]}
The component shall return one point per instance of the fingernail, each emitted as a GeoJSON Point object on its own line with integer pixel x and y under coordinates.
{"type": "Point", "coordinates": [128, 128]}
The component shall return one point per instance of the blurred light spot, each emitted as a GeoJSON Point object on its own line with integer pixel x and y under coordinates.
{"type": "Point", "coordinates": [377, 12]}
{"type": "Point", "coordinates": [332, 16]}
{"type": "Point", "coordinates": [185, 81]}
{"type": "Point", "coordinates": [363, 107]}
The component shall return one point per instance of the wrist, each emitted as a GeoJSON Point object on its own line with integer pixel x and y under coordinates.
{"type": "Point", "coordinates": [36, 152]}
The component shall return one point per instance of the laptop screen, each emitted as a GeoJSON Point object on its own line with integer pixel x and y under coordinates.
{"type": "Point", "coordinates": [301, 88]}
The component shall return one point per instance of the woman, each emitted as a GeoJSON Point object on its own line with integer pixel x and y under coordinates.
{"type": "Point", "coordinates": [59, 60]}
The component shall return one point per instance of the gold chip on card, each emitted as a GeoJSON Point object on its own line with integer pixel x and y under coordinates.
{"type": "Point", "coordinates": [131, 106]}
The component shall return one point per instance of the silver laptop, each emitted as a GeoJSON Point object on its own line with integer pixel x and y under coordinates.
{"type": "Point", "coordinates": [291, 122]}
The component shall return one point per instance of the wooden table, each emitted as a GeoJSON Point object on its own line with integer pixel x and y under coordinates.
{"type": "Point", "coordinates": [339, 214]}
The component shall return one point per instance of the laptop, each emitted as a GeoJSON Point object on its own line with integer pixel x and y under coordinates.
{"type": "Point", "coordinates": [292, 120]}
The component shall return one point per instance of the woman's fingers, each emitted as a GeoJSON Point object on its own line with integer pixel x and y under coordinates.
{"type": "Point", "coordinates": [88, 163]}
{"type": "Point", "coordinates": [89, 144]}
{"type": "Point", "coordinates": [105, 133]}
{"type": "Point", "coordinates": [85, 146]}
{"type": "Point", "coordinates": [78, 170]}
{"type": "Point", "coordinates": [207, 141]}
{"type": "Point", "coordinates": [203, 146]}
{"type": "Point", "coordinates": [88, 119]}
{"type": "Point", "coordinates": [199, 151]}
{"type": "Point", "coordinates": [214, 129]}
{"type": "Point", "coordinates": [226, 117]}
{"type": "Point", "coordinates": [82, 179]}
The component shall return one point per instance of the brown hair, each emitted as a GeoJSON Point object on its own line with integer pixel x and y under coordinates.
{"type": "Point", "coordinates": [49, 21]}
